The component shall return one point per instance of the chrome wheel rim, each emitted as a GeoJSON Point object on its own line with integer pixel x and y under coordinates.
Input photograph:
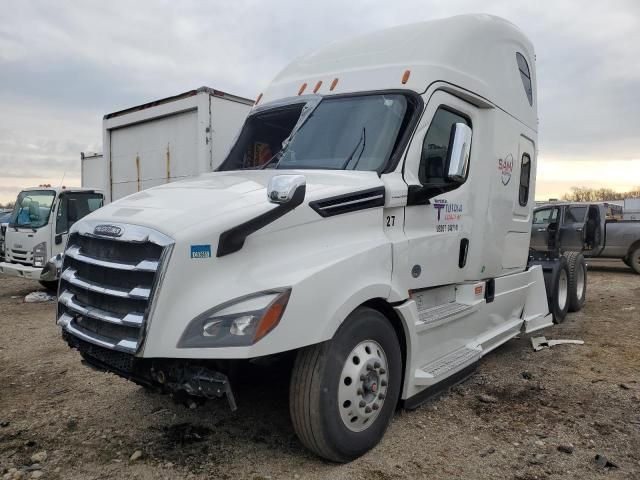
{"type": "Point", "coordinates": [363, 385]}
{"type": "Point", "coordinates": [580, 282]}
{"type": "Point", "coordinates": [563, 289]}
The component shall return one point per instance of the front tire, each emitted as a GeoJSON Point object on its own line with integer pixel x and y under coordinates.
{"type": "Point", "coordinates": [344, 391]}
{"type": "Point", "coordinates": [51, 286]}
{"type": "Point", "coordinates": [577, 280]}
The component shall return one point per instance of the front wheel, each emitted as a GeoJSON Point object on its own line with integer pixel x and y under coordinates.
{"type": "Point", "coordinates": [343, 392]}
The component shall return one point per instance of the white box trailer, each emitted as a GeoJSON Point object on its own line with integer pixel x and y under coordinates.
{"type": "Point", "coordinates": [631, 210]}
{"type": "Point", "coordinates": [167, 140]}
{"type": "Point", "coordinates": [93, 170]}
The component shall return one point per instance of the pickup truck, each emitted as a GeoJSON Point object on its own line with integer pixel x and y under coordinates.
{"type": "Point", "coordinates": [584, 227]}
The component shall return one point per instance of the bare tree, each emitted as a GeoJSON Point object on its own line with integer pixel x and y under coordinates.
{"type": "Point", "coordinates": [587, 194]}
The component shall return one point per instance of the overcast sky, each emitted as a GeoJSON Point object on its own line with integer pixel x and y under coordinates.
{"type": "Point", "coordinates": [63, 65]}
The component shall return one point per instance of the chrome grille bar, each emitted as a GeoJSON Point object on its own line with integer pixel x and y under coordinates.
{"type": "Point", "coordinates": [71, 276]}
{"type": "Point", "coordinates": [130, 319]}
{"type": "Point", "coordinates": [142, 266]}
{"type": "Point", "coordinates": [122, 345]}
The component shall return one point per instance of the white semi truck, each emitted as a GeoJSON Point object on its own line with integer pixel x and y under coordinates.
{"type": "Point", "coordinates": [147, 145]}
{"type": "Point", "coordinates": [372, 219]}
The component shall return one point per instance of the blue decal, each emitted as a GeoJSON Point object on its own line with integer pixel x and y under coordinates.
{"type": "Point", "coordinates": [200, 251]}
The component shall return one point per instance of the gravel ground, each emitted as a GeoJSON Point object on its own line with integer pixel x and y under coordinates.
{"type": "Point", "coordinates": [522, 415]}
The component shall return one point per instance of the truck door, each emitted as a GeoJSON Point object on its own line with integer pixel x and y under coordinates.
{"type": "Point", "coordinates": [545, 224]}
{"type": "Point", "coordinates": [572, 227]}
{"type": "Point", "coordinates": [72, 206]}
{"type": "Point", "coordinates": [439, 231]}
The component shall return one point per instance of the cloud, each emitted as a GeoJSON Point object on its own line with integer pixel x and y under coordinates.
{"type": "Point", "coordinates": [65, 64]}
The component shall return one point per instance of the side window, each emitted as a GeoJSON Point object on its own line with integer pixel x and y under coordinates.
{"type": "Point", "coordinates": [525, 76]}
{"type": "Point", "coordinates": [525, 177]}
{"type": "Point", "coordinates": [575, 214]}
{"type": "Point", "coordinates": [433, 168]}
{"type": "Point", "coordinates": [541, 216]}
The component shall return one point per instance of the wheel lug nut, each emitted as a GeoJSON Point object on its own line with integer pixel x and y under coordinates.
{"type": "Point", "coordinates": [381, 396]}
{"type": "Point", "coordinates": [369, 367]}
{"type": "Point", "coordinates": [360, 391]}
{"type": "Point", "coordinates": [382, 371]}
{"type": "Point", "coordinates": [376, 365]}
{"type": "Point", "coordinates": [362, 403]}
{"type": "Point", "coordinates": [375, 406]}
{"type": "Point", "coordinates": [362, 377]}
{"type": "Point", "coordinates": [383, 383]}
{"type": "Point", "coordinates": [367, 410]}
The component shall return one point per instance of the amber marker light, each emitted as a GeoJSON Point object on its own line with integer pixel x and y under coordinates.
{"type": "Point", "coordinates": [272, 317]}
{"type": "Point", "coordinates": [405, 76]}
{"type": "Point", "coordinates": [333, 84]}
{"type": "Point", "coordinates": [317, 87]}
{"type": "Point", "coordinates": [258, 99]}
{"type": "Point", "coordinates": [302, 87]}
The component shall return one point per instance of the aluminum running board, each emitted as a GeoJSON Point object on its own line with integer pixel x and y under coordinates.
{"type": "Point", "coordinates": [441, 368]}
{"type": "Point", "coordinates": [433, 316]}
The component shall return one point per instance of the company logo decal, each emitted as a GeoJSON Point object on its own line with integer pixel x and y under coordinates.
{"type": "Point", "coordinates": [200, 251]}
{"type": "Point", "coordinates": [108, 230]}
{"type": "Point", "coordinates": [506, 168]}
{"type": "Point", "coordinates": [447, 211]}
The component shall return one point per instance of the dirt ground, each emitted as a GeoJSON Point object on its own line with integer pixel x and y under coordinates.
{"type": "Point", "coordinates": [585, 399]}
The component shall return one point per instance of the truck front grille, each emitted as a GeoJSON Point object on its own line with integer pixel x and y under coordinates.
{"type": "Point", "coordinates": [20, 256]}
{"type": "Point", "coordinates": [107, 285]}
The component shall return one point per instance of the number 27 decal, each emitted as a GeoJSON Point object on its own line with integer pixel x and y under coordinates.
{"type": "Point", "coordinates": [391, 220]}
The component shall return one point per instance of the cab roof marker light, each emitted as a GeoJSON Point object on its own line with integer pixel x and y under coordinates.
{"type": "Point", "coordinates": [317, 87]}
{"type": "Point", "coordinates": [333, 84]}
{"type": "Point", "coordinates": [258, 99]}
{"type": "Point", "coordinates": [302, 88]}
{"type": "Point", "coordinates": [405, 76]}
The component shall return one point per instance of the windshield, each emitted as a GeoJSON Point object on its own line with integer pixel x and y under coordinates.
{"type": "Point", "coordinates": [32, 209]}
{"type": "Point", "coordinates": [343, 133]}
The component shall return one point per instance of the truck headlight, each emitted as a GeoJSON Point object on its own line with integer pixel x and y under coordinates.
{"type": "Point", "coordinates": [239, 322]}
{"type": "Point", "coordinates": [39, 254]}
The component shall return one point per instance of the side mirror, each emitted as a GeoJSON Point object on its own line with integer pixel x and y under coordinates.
{"type": "Point", "coordinates": [58, 239]}
{"type": "Point", "coordinates": [458, 153]}
{"type": "Point", "coordinates": [286, 188]}
{"type": "Point", "coordinates": [52, 269]}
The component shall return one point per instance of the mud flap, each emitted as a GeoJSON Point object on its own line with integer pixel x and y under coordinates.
{"type": "Point", "coordinates": [536, 313]}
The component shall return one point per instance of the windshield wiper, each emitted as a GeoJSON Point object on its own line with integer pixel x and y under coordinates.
{"type": "Point", "coordinates": [362, 140]}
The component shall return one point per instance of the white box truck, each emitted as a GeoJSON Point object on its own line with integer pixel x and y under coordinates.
{"type": "Point", "coordinates": [372, 219]}
{"type": "Point", "coordinates": [166, 140]}
{"type": "Point", "coordinates": [147, 145]}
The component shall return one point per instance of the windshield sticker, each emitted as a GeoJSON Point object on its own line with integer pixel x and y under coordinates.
{"type": "Point", "coordinates": [200, 251]}
{"type": "Point", "coordinates": [506, 168]}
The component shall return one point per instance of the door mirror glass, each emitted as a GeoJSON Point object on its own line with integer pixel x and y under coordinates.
{"type": "Point", "coordinates": [283, 188]}
{"type": "Point", "coordinates": [458, 153]}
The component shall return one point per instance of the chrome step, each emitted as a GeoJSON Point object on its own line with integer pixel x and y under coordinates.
{"type": "Point", "coordinates": [432, 315]}
{"type": "Point", "coordinates": [441, 368]}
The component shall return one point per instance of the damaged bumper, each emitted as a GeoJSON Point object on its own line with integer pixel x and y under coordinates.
{"type": "Point", "coordinates": [168, 375]}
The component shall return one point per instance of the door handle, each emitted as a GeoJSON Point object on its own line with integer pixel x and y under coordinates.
{"type": "Point", "coordinates": [542, 229]}
{"type": "Point", "coordinates": [579, 229]}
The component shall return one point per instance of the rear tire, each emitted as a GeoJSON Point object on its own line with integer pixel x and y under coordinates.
{"type": "Point", "coordinates": [335, 385]}
{"type": "Point", "coordinates": [577, 280]}
{"type": "Point", "coordinates": [634, 259]}
{"type": "Point", "coordinates": [51, 286]}
{"type": "Point", "coordinates": [559, 301]}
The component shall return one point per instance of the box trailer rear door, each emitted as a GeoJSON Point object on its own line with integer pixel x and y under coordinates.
{"type": "Point", "coordinates": [154, 152]}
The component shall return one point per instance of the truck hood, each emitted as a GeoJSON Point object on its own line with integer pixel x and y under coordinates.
{"type": "Point", "coordinates": [222, 198]}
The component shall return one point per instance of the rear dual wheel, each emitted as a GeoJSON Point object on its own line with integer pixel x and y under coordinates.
{"type": "Point", "coordinates": [343, 392]}
{"type": "Point", "coordinates": [559, 300]}
{"type": "Point", "coordinates": [577, 280]}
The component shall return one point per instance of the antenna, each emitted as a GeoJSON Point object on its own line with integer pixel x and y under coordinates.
{"type": "Point", "coordinates": [63, 175]}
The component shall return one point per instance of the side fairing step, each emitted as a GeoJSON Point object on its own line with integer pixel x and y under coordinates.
{"type": "Point", "coordinates": [441, 368]}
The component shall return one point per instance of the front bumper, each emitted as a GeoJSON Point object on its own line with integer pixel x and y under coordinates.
{"type": "Point", "coordinates": [18, 270]}
{"type": "Point", "coordinates": [199, 379]}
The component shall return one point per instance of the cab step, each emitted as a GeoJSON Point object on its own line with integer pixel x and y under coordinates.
{"type": "Point", "coordinates": [442, 367]}
{"type": "Point", "coordinates": [432, 316]}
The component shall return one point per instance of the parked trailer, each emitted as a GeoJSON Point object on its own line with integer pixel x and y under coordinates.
{"type": "Point", "coordinates": [93, 170]}
{"type": "Point", "coordinates": [372, 219]}
{"type": "Point", "coordinates": [169, 139]}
